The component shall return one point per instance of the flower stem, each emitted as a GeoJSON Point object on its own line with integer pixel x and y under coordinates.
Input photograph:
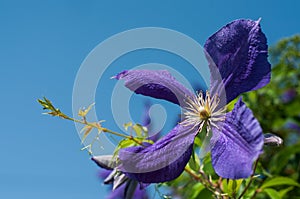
{"type": "Point", "coordinates": [203, 179]}
{"type": "Point", "coordinates": [56, 112]}
{"type": "Point", "coordinates": [105, 130]}
{"type": "Point", "coordinates": [251, 179]}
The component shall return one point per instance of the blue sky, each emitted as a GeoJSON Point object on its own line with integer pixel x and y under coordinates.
{"type": "Point", "coordinates": [42, 45]}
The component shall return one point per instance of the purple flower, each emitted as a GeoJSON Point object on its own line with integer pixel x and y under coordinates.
{"type": "Point", "coordinates": [291, 125]}
{"type": "Point", "coordinates": [288, 95]}
{"type": "Point", "coordinates": [237, 56]}
{"type": "Point", "coordinates": [123, 187]}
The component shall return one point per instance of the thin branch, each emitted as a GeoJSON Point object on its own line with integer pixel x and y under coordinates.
{"type": "Point", "coordinates": [206, 182]}
{"type": "Point", "coordinates": [251, 179]}
{"type": "Point", "coordinates": [56, 112]}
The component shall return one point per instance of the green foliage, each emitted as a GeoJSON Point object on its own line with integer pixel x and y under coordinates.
{"type": "Point", "coordinates": [138, 129]}
{"type": "Point", "coordinates": [277, 181]}
{"type": "Point", "coordinates": [273, 194]}
{"type": "Point", "coordinates": [231, 187]}
{"type": "Point", "coordinates": [141, 135]}
{"type": "Point", "coordinates": [194, 162]}
{"type": "Point", "coordinates": [47, 105]}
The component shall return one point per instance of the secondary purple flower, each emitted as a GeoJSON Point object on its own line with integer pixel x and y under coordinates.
{"type": "Point", "coordinates": [291, 125]}
{"type": "Point", "coordinates": [123, 187]}
{"type": "Point", "coordinates": [237, 56]}
{"type": "Point", "coordinates": [288, 95]}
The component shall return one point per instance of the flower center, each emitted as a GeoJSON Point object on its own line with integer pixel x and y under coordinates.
{"type": "Point", "coordinates": [203, 114]}
{"type": "Point", "coordinates": [201, 110]}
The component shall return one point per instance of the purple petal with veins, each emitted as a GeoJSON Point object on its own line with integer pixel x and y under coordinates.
{"type": "Point", "coordinates": [238, 53]}
{"type": "Point", "coordinates": [238, 144]}
{"type": "Point", "coordinates": [163, 161]}
{"type": "Point", "coordinates": [159, 84]}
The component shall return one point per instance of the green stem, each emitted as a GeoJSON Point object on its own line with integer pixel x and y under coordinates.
{"type": "Point", "coordinates": [205, 181]}
{"type": "Point", "coordinates": [99, 128]}
{"type": "Point", "coordinates": [56, 112]}
{"type": "Point", "coordinates": [251, 179]}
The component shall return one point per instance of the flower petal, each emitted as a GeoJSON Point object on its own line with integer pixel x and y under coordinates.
{"type": "Point", "coordinates": [163, 161]}
{"type": "Point", "coordinates": [130, 188]}
{"type": "Point", "coordinates": [105, 161]}
{"type": "Point", "coordinates": [155, 83]}
{"type": "Point", "coordinates": [119, 179]}
{"type": "Point", "coordinates": [237, 55]}
{"type": "Point", "coordinates": [237, 144]}
{"type": "Point", "coordinates": [125, 191]}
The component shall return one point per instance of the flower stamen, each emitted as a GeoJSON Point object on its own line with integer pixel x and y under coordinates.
{"type": "Point", "coordinates": [200, 111]}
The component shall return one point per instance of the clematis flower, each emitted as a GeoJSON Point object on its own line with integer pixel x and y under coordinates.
{"type": "Point", "coordinates": [122, 186]}
{"type": "Point", "coordinates": [237, 57]}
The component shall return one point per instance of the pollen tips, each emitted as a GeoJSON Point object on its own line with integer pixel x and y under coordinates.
{"type": "Point", "coordinates": [203, 110]}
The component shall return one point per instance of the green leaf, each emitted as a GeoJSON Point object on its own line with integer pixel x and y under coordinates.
{"type": "Point", "coordinates": [146, 140]}
{"type": "Point", "coordinates": [207, 165]}
{"type": "Point", "coordinates": [194, 162]}
{"type": "Point", "coordinates": [238, 184]}
{"type": "Point", "coordinates": [272, 193]}
{"type": "Point", "coordinates": [197, 142]}
{"type": "Point", "coordinates": [283, 192]}
{"type": "Point", "coordinates": [225, 185]}
{"type": "Point", "coordinates": [139, 130]}
{"type": "Point", "coordinates": [197, 188]}
{"type": "Point", "coordinates": [277, 181]}
{"type": "Point", "coordinates": [126, 143]}
{"type": "Point", "coordinates": [231, 104]}
{"type": "Point", "coordinates": [232, 186]}
{"type": "Point", "coordinates": [205, 193]}
{"type": "Point", "coordinates": [123, 144]}
{"type": "Point", "coordinates": [280, 160]}
{"type": "Point", "coordinates": [249, 194]}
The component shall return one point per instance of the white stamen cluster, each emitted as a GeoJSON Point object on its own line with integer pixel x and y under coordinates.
{"type": "Point", "coordinates": [199, 111]}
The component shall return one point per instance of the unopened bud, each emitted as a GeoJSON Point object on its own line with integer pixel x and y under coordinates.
{"type": "Point", "coordinates": [272, 140]}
